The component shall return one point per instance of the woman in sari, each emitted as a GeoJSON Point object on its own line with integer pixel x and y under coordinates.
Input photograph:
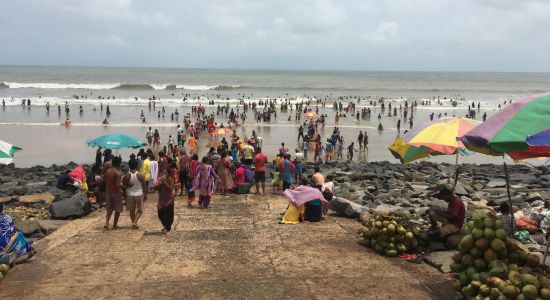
{"type": "Point", "coordinates": [223, 168]}
{"type": "Point", "coordinates": [204, 182]}
{"type": "Point", "coordinates": [13, 241]}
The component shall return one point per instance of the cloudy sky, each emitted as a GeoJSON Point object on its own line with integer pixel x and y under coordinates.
{"type": "Point", "coordinates": [486, 35]}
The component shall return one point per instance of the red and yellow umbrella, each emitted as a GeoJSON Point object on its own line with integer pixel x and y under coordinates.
{"type": "Point", "coordinates": [222, 131]}
{"type": "Point", "coordinates": [441, 135]}
{"type": "Point", "coordinates": [310, 115]}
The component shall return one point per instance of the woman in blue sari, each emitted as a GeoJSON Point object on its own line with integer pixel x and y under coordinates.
{"type": "Point", "coordinates": [12, 241]}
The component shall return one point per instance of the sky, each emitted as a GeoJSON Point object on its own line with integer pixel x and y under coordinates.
{"type": "Point", "coordinates": [442, 35]}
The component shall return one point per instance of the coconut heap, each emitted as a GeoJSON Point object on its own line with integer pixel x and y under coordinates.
{"type": "Point", "coordinates": [3, 270]}
{"type": "Point", "coordinates": [391, 234]}
{"type": "Point", "coordinates": [489, 267]}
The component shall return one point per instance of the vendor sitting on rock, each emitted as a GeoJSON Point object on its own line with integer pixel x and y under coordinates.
{"type": "Point", "coordinates": [452, 218]}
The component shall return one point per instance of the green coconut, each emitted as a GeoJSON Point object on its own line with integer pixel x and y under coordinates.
{"type": "Point", "coordinates": [514, 277]}
{"type": "Point", "coordinates": [545, 294]}
{"type": "Point", "coordinates": [466, 244]}
{"type": "Point", "coordinates": [479, 215]}
{"type": "Point", "coordinates": [530, 279]}
{"type": "Point", "coordinates": [498, 224]}
{"type": "Point", "coordinates": [530, 292]}
{"type": "Point", "coordinates": [470, 271]}
{"type": "Point", "coordinates": [500, 233]}
{"type": "Point", "coordinates": [467, 260]}
{"type": "Point", "coordinates": [489, 233]}
{"type": "Point", "coordinates": [463, 278]}
{"type": "Point", "coordinates": [480, 264]}
{"type": "Point", "coordinates": [456, 267]}
{"type": "Point", "coordinates": [476, 253]}
{"type": "Point", "coordinates": [477, 233]}
{"type": "Point", "coordinates": [497, 245]}
{"type": "Point", "coordinates": [489, 222]}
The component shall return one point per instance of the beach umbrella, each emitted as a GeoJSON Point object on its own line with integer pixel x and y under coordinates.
{"type": "Point", "coordinates": [310, 115]}
{"type": "Point", "coordinates": [540, 142]}
{"type": "Point", "coordinates": [222, 131]}
{"type": "Point", "coordinates": [440, 135]}
{"type": "Point", "coordinates": [116, 141]}
{"type": "Point", "coordinates": [6, 152]}
{"type": "Point", "coordinates": [407, 153]}
{"type": "Point", "coordinates": [507, 131]}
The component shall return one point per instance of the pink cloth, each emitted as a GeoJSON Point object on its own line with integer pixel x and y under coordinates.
{"type": "Point", "coordinates": [304, 194]}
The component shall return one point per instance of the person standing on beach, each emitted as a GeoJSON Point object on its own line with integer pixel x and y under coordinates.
{"type": "Point", "coordinates": [149, 137]}
{"type": "Point", "coordinates": [340, 152]}
{"type": "Point", "coordinates": [113, 191]}
{"type": "Point", "coordinates": [301, 132]}
{"type": "Point", "coordinates": [260, 160]}
{"type": "Point", "coordinates": [98, 157]}
{"type": "Point", "coordinates": [192, 144]}
{"type": "Point", "coordinates": [360, 140]}
{"type": "Point", "coordinates": [136, 192]}
{"type": "Point", "coordinates": [165, 204]}
{"type": "Point", "coordinates": [286, 168]}
{"type": "Point", "coordinates": [204, 182]}
{"type": "Point", "coordinates": [350, 151]}
{"type": "Point", "coordinates": [298, 160]}
{"type": "Point", "coordinates": [145, 169]}
{"type": "Point", "coordinates": [366, 143]}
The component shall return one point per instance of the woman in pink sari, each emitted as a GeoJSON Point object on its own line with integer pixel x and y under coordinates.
{"type": "Point", "coordinates": [223, 168]}
{"type": "Point", "coordinates": [204, 182]}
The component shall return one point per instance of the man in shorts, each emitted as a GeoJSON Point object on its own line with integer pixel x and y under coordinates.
{"type": "Point", "coordinates": [113, 201]}
{"type": "Point", "coordinates": [298, 167]}
{"type": "Point", "coordinates": [260, 160]}
{"type": "Point", "coordinates": [136, 192]}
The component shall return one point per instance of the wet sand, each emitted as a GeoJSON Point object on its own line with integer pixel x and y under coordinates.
{"type": "Point", "coordinates": [45, 141]}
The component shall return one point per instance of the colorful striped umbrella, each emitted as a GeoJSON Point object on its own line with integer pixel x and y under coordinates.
{"type": "Point", "coordinates": [407, 153]}
{"type": "Point", "coordinates": [440, 135]}
{"type": "Point", "coordinates": [7, 152]}
{"type": "Point", "coordinates": [507, 131]}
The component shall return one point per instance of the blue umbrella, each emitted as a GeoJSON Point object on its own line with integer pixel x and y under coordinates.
{"type": "Point", "coordinates": [115, 141]}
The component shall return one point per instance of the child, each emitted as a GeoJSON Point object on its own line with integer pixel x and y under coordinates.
{"type": "Point", "coordinates": [276, 180]}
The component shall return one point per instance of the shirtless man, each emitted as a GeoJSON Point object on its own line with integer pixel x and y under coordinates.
{"type": "Point", "coordinates": [113, 200]}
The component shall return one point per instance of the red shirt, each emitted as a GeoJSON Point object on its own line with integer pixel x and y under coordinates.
{"type": "Point", "coordinates": [457, 210]}
{"type": "Point", "coordinates": [260, 160]}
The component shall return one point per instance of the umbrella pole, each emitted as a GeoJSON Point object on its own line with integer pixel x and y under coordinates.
{"type": "Point", "coordinates": [510, 198]}
{"type": "Point", "coordinates": [456, 172]}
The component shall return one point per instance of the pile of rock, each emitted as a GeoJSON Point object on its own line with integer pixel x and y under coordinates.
{"type": "Point", "coordinates": [31, 197]}
{"type": "Point", "coordinates": [383, 186]}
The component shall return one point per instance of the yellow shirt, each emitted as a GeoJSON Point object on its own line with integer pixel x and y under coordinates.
{"type": "Point", "coordinates": [146, 169]}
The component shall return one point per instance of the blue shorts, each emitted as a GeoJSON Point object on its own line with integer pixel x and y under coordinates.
{"type": "Point", "coordinates": [298, 168]}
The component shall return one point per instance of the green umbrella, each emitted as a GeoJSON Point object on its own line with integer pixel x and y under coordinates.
{"type": "Point", "coordinates": [6, 152]}
{"type": "Point", "coordinates": [115, 141]}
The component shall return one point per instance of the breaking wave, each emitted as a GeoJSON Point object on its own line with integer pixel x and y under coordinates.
{"type": "Point", "coordinates": [108, 86]}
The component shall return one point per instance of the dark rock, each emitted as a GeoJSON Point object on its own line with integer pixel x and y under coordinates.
{"type": "Point", "coordinates": [347, 208]}
{"type": "Point", "coordinates": [496, 183]}
{"type": "Point", "coordinates": [75, 206]}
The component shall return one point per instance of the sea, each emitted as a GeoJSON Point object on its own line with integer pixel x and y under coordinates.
{"type": "Point", "coordinates": [128, 92]}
